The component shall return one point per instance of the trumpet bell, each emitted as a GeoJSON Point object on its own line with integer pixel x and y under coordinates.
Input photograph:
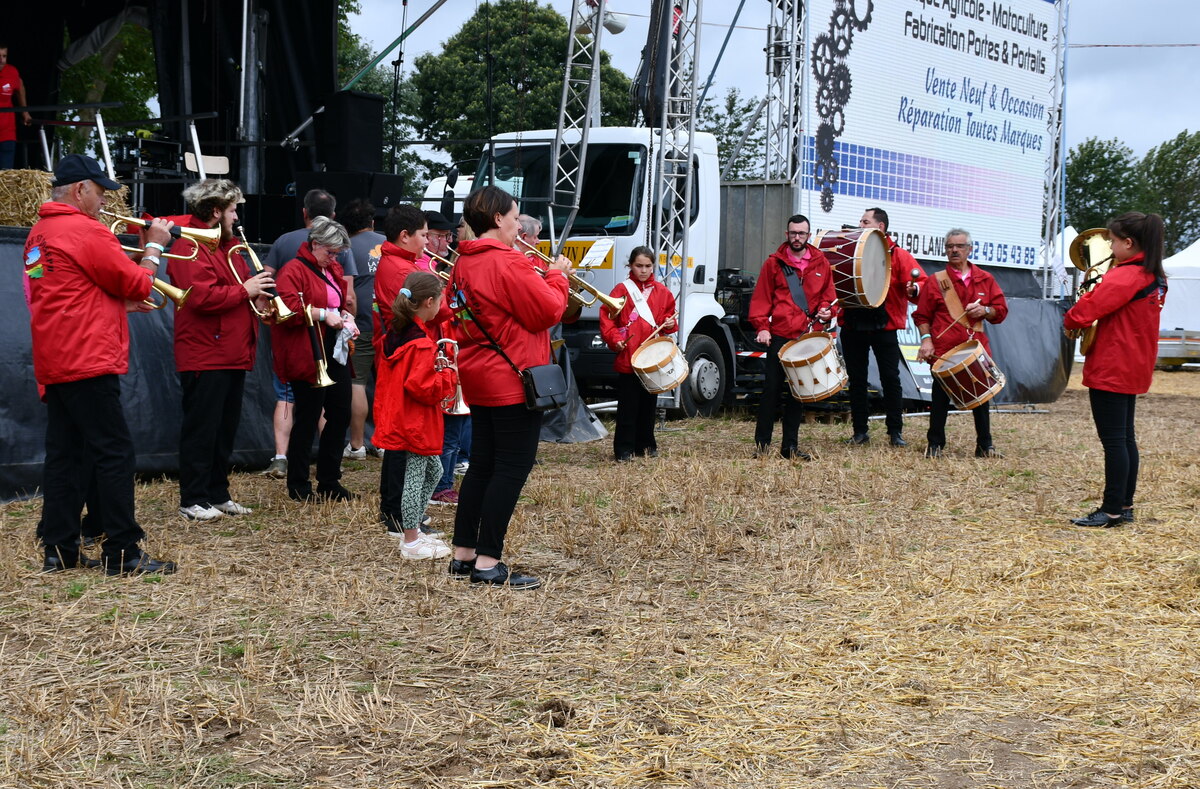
{"type": "Point", "coordinates": [1090, 249]}
{"type": "Point", "coordinates": [169, 293]}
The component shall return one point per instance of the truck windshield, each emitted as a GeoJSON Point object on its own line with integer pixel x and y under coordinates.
{"type": "Point", "coordinates": [611, 196]}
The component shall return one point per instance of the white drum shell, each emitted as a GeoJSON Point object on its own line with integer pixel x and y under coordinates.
{"type": "Point", "coordinates": [660, 365]}
{"type": "Point", "coordinates": [813, 367]}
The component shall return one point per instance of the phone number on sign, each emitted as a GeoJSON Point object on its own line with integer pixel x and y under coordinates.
{"type": "Point", "coordinates": [1000, 254]}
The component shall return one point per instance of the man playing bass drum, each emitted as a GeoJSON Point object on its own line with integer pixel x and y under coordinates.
{"type": "Point", "coordinates": [793, 287]}
{"type": "Point", "coordinates": [648, 304]}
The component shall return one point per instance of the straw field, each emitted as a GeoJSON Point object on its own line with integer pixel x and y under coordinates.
{"type": "Point", "coordinates": [868, 619]}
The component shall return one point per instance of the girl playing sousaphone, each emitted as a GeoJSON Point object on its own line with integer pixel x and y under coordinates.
{"type": "Point", "coordinates": [649, 305]}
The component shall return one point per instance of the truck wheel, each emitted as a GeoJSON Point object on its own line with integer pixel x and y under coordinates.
{"type": "Point", "coordinates": [704, 389]}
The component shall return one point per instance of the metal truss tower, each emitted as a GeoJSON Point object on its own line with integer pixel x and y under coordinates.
{"type": "Point", "coordinates": [578, 110]}
{"type": "Point", "coordinates": [1055, 185]}
{"type": "Point", "coordinates": [785, 91]}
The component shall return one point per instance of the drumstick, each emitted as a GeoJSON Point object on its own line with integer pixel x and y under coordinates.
{"type": "Point", "coordinates": [659, 328]}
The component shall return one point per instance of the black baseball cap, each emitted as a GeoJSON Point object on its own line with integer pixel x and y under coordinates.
{"type": "Point", "coordinates": [438, 222]}
{"type": "Point", "coordinates": [75, 167]}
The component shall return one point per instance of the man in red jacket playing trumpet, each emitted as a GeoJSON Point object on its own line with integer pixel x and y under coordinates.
{"type": "Point", "coordinates": [216, 334]}
{"type": "Point", "coordinates": [793, 288]}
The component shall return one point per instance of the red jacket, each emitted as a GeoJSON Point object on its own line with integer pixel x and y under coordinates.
{"type": "Point", "coordinates": [395, 264]}
{"type": "Point", "coordinates": [932, 310]}
{"type": "Point", "coordinates": [216, 329]}
{"type": "Point", "coordinates": [409, 392]}
{"type": "Point", "coordinates": [1125, 350]}
{"type": "Point", "coordinates": [903, 265]}
{"type": "Point", "coordinates": [634, 328]}
{"type": "Point", "coordinates": [291, 347]}
{"type": "Point", "coordinates": [79, 281]}
{"type": "Point", "coordinates": [772, 307]}
{"type": "Point", "coordinates": [516, 305]}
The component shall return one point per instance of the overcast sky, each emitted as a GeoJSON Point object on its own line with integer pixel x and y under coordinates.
{"type": "Point", "coordinates": [1136, 94]}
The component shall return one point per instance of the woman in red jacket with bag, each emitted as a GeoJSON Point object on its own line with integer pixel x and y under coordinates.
{"type": "Point", "coordinates": [648, 303]}
{"type": "Point", "coordinates": [316, 273]}
{"type": "Point", "coordinates": [408, 415]}
{"type": "Point", "coordinates": [1120, 364]}
{"type": "Point", "coordinates": [497, 292]}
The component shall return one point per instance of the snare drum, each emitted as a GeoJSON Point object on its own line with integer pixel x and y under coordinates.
{"type": "Point", "coordinates": [813, 367]}
{"type": "Point", "coordinates": [861, 264]}
{"type": "Point", "coordinates": [968, 375]}
{"type": "Point", "coordinates": [660, 365]}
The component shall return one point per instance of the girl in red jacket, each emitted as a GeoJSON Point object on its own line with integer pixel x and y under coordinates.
{"type": "Point", "coordinates": [647, 304]}
{"type": "Point", "coordinates": [1127, 303]}
{"type": "Point", "coordinates": [408, 415]}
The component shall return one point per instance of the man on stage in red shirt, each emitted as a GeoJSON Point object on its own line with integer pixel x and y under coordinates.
{"type": "Point", "coordinates": [216, 335]}
{"type": "Point", "coordinates": [794, 290]}
{"type": "Point", "coordinates": [12, 94]}
{"type": "Point", "coordinates": [865, 330]}
{"type": "Point", "coordinates": [80, 286]}
{"type": "Point", "coordinates": [981, 300]}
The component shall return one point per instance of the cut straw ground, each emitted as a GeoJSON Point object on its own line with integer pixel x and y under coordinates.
{"type": "Point", "coordinates": [868, 619]}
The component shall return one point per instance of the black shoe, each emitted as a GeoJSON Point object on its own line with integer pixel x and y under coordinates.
{"type": "Point", "coordinates": [897, 440]}
{"type": "Point", "coordinates": [501, 576]}
{"type": "Point", "coordinates": [933, 451]}
{"type": "Point", "coordinates": [987, 452]}
{"type": "Point", "coordinates": [57, 560]}
{"type": "Point", "coordinates": [1099, 520]}
{"type": "Point", "coordinates": [303, 495]}
{"type": "Point", "coordinates": [761, 451]}
{"type": "Point", "coordinates": [460, 570]}
{"type": "Point", "coordinates": [858, 439]}
{"type": "Point", "coordinates": [136, 563]}
{"type": "Point", "coordinates": [1127, 515]}
{"type": "Point", "coordinates": [791, 453]}
{"type": "Point", "coordinates": [335, 493]}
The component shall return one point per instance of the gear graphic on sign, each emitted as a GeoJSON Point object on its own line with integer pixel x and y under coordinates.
{"type": "Point", "coordinates": [833, 88]}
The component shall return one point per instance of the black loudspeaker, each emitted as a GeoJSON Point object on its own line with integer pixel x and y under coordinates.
{"type": "Point", "coordinates": [350, 132]}
{"type": "Point", "coordinates": [267, 217]}
{"type": "Point", "coordinates": [343, 186]}
{"type": "Point", "coordinates": [387, 190]}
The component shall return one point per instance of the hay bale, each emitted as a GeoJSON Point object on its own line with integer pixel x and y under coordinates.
{"type": "Point", "coordinates": [22, 192]}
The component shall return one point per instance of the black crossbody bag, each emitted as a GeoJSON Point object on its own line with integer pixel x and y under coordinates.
{"type": "Point", "coordinates": [545, 385]}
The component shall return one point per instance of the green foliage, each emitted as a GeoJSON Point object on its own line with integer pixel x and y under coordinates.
{"type": "Point", "coordinates": [727, 121]}
{"type": "Point", "coordinates": [398, 118]}
{"type": "Point", "coordinates": [122, 71]}
{"type": "Point", "coordinates": [528, 46]}
{"type": "Point", "coordinates": [1101, 182]}
{"type": "Point", "coordinates": [1170, 178]}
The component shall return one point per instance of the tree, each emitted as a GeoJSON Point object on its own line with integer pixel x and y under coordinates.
{"type": "Point", "coordinates": [1101, 182]}
{"type": "Point", "coordinates": [353, 54]}
{"type": "Point", "coordinates": [527, 43]}
{"type": "Point", "coordinates": [1170, 176]}
{"type": "Point", "coordinates": [727, 121]}
{"type": "Point", "coordinates": [130, 55]}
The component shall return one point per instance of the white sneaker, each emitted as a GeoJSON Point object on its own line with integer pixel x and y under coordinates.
{"type": "Point", "coordinates": [461, 468]}
{"type": "Point", "coordinates": [425, 548]}
{"type": "Point", "coordinates": [198, 512]}
{"type": "Point", "coordinates": [355, 454]}
{"type": "Point", "coordinates": [374, 452]}
{"type": "Point", "coordinates": [231, 507]}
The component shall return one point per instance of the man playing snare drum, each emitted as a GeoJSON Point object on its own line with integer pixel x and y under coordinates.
{"type": "Point", "coordinates": [874, 329]}
{"type": "Point", "coordinates": [950, 311]}
{"type": "Point", "coordinates": [794, 291]}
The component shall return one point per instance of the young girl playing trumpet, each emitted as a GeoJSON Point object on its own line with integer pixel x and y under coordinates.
{"type": "Point", "coordinates": [411, 385]}
{"type": "Point", "coordinates": [648, 305]}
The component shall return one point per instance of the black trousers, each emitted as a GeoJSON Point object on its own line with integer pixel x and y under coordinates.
{"type": "Point", "coordinates": [636, 411]}
{"type": "Point", "coordinates": [88, 444]}
{"type": "Point", "coordinates": [775, 388]}
{"type": "Point", "coordinates": [940, 407]}
{"type": "Point", "coordinates": [1113, 414]}
{"type": "Point", "coordinates": [306, 414]}
{"type": "Point", "coordinates": [856, 345]}
{"type": "Point", "coordinates": [503, 447]}
{"type": "Point", "coordinates": [212, 409]}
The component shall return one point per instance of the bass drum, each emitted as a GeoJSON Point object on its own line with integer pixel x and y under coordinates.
{"type": "Point", "coordinates": [861, 264]}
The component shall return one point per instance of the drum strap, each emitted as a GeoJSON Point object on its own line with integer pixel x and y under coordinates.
{"type": "Point", "coordinates": [639, 301]}
{"type": "Point", "coordinates": [795, 287]}
{"type": "Point", "coordinates": [954, 303]}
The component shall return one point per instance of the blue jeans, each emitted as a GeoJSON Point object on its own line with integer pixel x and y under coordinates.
{"type": "Point", "coordinates": [458, 428]}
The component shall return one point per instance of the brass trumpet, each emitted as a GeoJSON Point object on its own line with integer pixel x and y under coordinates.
{"type": "Point", "coordinates": [209, 237]}
{"type": "Point", "coordinates": [579, 284]}
{"type": "Point", "coordinates": [1091, 253]}
{"type": "Point", "coordinates": [316, 339]}
{"type": "Point", "coordinates": [278, 307]}
{"type": "Point", "coordinates": [447, 357]}
{"type": "Point", "coordinates": [445, 275]}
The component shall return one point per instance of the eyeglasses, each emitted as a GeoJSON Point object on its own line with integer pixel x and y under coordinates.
{"type": "Point", "coordinates": [958, 246]}
{"type": "Point", "coordinates": [798, 234]}
{"type": "Point", "coordinates": [439, 234]}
